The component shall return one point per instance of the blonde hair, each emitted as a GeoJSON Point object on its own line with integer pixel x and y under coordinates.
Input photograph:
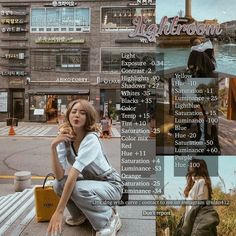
{"type": "Point", "coordinates": [91, 117]}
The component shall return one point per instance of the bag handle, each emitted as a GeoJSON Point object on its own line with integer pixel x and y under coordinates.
{"type": "Point", "coordinates": [48, 175]}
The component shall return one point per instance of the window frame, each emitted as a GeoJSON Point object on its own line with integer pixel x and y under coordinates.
{"type": "Point", "coordinates": [127, 29]}
{"type": "Point", "coordinates": [61, 28]}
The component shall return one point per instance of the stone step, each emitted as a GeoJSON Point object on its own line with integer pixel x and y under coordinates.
{"type": "Point", "coordinates": [17, 217]}
{"type": "Point", "coordinates": [16, 211]}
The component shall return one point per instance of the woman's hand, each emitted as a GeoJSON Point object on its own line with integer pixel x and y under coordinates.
{"type": "Point", "coordinates": [62, 138]}
{"type": "Point", "coordinates": [55, 224]}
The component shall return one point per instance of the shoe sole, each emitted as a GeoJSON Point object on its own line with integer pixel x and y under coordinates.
{"type": "Point", "coordinates": [76, 224]}
{"type": "Point", "coordinates": [117, 227]}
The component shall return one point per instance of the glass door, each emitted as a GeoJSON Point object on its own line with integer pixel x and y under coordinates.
{"type": "Point", "coordinates": [18, 104]}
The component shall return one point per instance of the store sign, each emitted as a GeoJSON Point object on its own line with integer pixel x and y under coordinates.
{"type": "Point", "coordinates": [6, 13]}
{"type": "Point", "coordinates": [3, 101]}
{"type": "Point", "coordinates": [143, 3]}
{"type": "Point", "coordinates": [72, 80]}
{"type": "Point", "coordinates": [16, 82]}
{"type": "Point", "coordinates": [58, 40]}
{"type": "Point", "coordinates": [64, 3]}
{"type": "Point", "coordinates": [13, 29]}
{"type": "Point", "coordinates": [13, 73]}
{"type": "Point", "coordinates": [12, 21]}
{"type": "Point", "coordinates": [20, 56]}
{"type": "Point", "coordinates": [149, 32]}
{"type": "Point", "coordinates": [39, 112]}
{"type": "Point", "coordinates": [12, 13]}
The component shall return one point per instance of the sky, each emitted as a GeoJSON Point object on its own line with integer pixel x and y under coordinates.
{"type": "Point", "coordinates": [176, 185]}
{"type": "Point", "coordinates": [222, 10]}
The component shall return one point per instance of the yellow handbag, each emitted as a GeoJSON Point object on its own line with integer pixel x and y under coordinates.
{"type": "Point", "coordinates": [46, 201]}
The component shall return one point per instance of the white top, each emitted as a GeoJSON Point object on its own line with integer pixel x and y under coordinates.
{"type": "Point", "coordinates": [199, 191]}
{"type": "Point", "coordinates": [89, 151]}
{"type": "Point", "coordinates": [203, 46]}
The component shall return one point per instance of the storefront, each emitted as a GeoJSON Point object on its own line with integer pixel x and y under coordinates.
{"type": "Point", "coordinates": [54, 52]}
{"type": "Point", "coordinates": [50, 106]}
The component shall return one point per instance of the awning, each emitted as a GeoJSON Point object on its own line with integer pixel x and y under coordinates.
{"type": "Point", "coordinates": [59, 91]}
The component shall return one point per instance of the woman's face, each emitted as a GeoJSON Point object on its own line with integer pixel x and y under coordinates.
{"type": "Point", "coordinates": [77, 116]}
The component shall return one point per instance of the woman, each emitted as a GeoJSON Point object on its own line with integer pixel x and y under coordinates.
{"type": "Point", "coordinates": [198, 220]}
{"type": "Point", "coordinates": [90, 178]}
{"type": "Point", "coordinates": [201, 61]}
{"type": "Point", "coordinates": [198, 182]}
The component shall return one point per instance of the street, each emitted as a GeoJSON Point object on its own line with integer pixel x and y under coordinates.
{"type": "Point", "coordinates": [33, 154]}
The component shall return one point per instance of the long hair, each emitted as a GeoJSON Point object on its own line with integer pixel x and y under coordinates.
{"type": "Point", "coordinates": [197, 168]}
{"type": "Point", "coordinates": [91, 118]}
{"type": "Point", "coordinates": [202, 109]}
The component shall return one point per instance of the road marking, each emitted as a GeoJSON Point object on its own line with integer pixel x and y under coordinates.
{"type": "Point", "coordinates": [115, 132]}
{"type": "Point", "coordinates": [42, 131]}
{"type": "Point", "coordinates": [31, 131]}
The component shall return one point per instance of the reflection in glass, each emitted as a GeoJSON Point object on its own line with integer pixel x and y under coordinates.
{"type": "Point", "coordinates": [65, 18]}
{"type": "Point", "coordinates": [120, 18]}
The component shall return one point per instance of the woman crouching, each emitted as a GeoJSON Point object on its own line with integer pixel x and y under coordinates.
{"type": "Point", "coordinates": [90, 178]}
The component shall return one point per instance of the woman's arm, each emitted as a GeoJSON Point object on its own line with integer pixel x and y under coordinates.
{"type": "Point", "coordinates": [56, 220]}
{"type": "Point", "coordinates": [56, 166]}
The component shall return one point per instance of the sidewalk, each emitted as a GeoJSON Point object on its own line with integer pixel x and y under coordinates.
{"type": "Point", "coordinates": [22, 221]}
{"type": "Point", "coordinates": [31, 129]}
{"type": "Point", "coordinates": [38, 162]}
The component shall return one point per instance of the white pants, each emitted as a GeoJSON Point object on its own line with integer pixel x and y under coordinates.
{"type": "Point", "coordinates": [83, 196]}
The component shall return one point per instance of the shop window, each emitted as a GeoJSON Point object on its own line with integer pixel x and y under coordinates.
{"type": "Point", "coordinates": [63, 19]}
{"type": "Point", "coordinates": [60, 60]}
{"type": "Point", "coordinates": [120, 18]}
{"type": "Point", "coordinates": [37, 108]}
{"type": "Point", "coordinates": [43, 61]}
{"type": "Point", "coordinates": [52, 18]}
{"type": "Point", "coordinates": [69, 61]}
{"type": "Point", "coordinates": [3, 101]}
{"type": "Point", "coordinates": [38, 17]}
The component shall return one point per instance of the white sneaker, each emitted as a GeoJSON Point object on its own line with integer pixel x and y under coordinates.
{"type": "Point", "coordinates": [112, 228]}
{"type": "Point", "coordinates": [75, 221]}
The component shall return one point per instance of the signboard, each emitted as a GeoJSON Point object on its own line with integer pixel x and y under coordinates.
{"type": "Point", "coordinates": [72, 80]}
{"type": "Point", "coordinates": [16, 81]}
{"type": "Point", "coordinates": [12, 13]}
{"type": "Point", "coordinates": [13, 73]}
{"type": "Point", "coordinates": [13, 29]}
{"type": "Point", "coordinates": [14, 55]}
{"type": "Point", "coordinates": [3, 101]}
{"type": "Point", "coordinates": [143, 3]}
{"type": "Point", "coordinates": [64, 3]}
{"type": "Point", "coordinates": [12, 21]}
{"type": "Point", "coordinates": [39, 112]}
{"type": "Point", "coordinates": [59, 40]}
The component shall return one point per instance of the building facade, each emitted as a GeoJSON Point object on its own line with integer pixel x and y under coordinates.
{"type": "Point", "coordinates": [55, 51]}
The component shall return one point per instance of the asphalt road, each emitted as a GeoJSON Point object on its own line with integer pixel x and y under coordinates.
{"type": "Point", "coordinates": [33, 154]}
